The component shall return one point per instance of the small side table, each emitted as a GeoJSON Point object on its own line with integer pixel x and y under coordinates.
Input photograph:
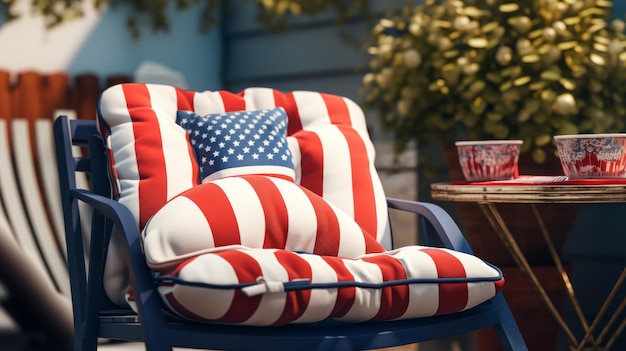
{"type": "Point", "coordinates": [487, 196]}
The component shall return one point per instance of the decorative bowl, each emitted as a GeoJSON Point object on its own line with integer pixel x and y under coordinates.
{"type": "Point", "coordinates": [488, 159]}
{"type": "Point", "coordinates": [592, 155]}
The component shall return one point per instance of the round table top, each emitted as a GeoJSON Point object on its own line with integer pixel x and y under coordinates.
{"type": "Point", "coordinates": [529, 193]}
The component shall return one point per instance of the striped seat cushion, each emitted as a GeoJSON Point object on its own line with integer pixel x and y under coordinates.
{"type": "Point", "coordinates": [273, 287]}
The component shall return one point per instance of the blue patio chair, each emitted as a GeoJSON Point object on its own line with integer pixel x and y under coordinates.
{"type": "Point", "coordinates": [333, 297]}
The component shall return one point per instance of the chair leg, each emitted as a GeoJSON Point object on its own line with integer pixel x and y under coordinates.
{"type": "Point", "coordinates": [86, 339]}
{"type": "Point", "coordinates": [508, 331]}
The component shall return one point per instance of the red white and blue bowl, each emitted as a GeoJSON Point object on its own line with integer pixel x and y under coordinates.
{"type": "Point", "coordinates": [585, 156]}
{"type": "Point", "coordinates": [489, 159]}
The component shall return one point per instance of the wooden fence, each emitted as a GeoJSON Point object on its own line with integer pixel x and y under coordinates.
{"type": "Point", "coordinates": [33, 95]}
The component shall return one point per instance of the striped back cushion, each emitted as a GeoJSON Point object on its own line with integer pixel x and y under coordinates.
{"type": "Point", "coordinates": [153, 161]}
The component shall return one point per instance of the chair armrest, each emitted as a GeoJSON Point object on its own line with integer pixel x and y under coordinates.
{"type": "Point", "coordinates": [118, 213]}
{"type": "Point", "coordinates": [140, 274]}
{"type": "Point", "coordinates": [443, 224]}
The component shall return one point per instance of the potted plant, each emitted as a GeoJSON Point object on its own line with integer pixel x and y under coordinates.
{"type": "Point", "coordinates": [498, 69]}
{"type": "Point", "coordinates": [448, 70]}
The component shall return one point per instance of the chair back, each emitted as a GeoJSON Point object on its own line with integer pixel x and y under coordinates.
{"type": "Point", "coordinates": [79, 149]}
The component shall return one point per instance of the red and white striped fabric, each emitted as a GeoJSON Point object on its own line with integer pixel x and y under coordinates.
{"type": "Point", "coordinates": [237, 242]}
{"type": "Point", "coordinates": [154, 162]}
{"type": "Point", "coordinates": [254, 211]}
{"type": "Point", "coordinates": [274, 287]}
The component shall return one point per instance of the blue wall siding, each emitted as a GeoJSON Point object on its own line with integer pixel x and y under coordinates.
{"type": "Point", "coordinates": [111, 50]}
{"type": "Point", "coordinates": [619, 8]}
{"type": "Point", "coordinates": [310, 56]}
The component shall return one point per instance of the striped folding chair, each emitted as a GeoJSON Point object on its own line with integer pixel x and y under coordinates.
{"type": "Point", "coordinates": [255, 220]}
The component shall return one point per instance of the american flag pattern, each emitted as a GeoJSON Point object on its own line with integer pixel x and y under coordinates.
{"type": "Point", "coordinates": [273, 287]}
{"type": "Point", "coordinates": [241, 142]}
{"type": "Point", "coordinates": [243, 272]}
{"type": "Point", "coordinates": [153, 160]}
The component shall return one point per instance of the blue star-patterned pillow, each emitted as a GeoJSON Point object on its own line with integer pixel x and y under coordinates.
{"type": "Point", "coordinates": [238, 143]}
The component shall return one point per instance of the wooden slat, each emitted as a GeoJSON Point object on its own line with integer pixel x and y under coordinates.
{"type": "Point", "coordinates": [86, 95]}
{"type": "Point", "coordinates": [29, 96]}
{"type": "Point", "coordinates": [56, 94]}
{"type": "Point", "coordinates": [5, 95]}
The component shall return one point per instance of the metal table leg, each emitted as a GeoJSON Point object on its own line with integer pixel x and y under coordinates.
{"type": "Point", "coordinates": [588, 342]}
{"type": "Point", "coordinates": [496, 221]}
